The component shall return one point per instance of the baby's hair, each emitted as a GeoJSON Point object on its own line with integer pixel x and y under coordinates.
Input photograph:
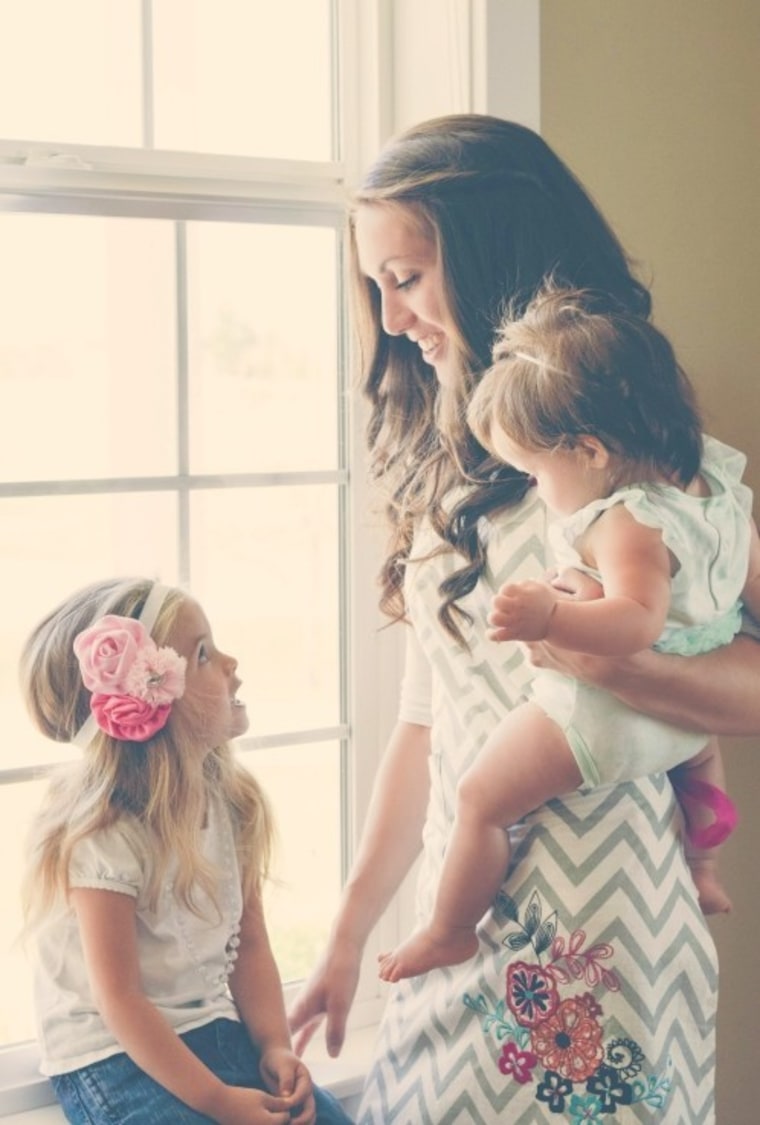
{"type": "Point", "coordinates": [576, 364]}
{"type": "Point", "coordinates": [154, 790]}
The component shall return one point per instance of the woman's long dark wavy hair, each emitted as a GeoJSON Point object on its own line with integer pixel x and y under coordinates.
{"type": "Point", "coordinates": [504, 212]}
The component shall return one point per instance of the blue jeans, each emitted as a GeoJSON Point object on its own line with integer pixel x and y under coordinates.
{"type": "Point", "coordinates": [115, 1091]}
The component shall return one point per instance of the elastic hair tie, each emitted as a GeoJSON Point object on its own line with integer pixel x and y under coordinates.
{"type": "Point", "coordinates": [133, 682]}
{"type": "Point", "coordinates": [538, 362]}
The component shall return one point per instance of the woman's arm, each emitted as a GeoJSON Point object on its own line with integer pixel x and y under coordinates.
{"type": "Point", "coordinates": [389, 845]}
{"type": "Point", "coordinates": [716, 693]}
{"type": "Point", "coordinates": [107, 924]}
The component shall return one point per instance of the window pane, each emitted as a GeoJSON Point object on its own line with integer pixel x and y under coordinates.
{"type": "Point", "coordinates": [243, 77]}
{"type": "Point", "coordinates": [87, 347]}
{"type": "Point", "coordinates": [263, 361]}
{"type": "Point", "coordinates": [265, 569]}
{"type": "Point", "coordinates": [70, 71]}
{"type": "Point", "coordinates": [303, 784]}
{"type": "Point", "coordinates": [51, 546]}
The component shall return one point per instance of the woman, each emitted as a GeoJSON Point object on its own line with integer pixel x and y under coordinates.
{"type": "Point", "coordinates": [575, 1004]}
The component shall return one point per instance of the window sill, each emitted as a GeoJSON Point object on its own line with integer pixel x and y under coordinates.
{"type": "Point", "coordinates": [26, 1098]}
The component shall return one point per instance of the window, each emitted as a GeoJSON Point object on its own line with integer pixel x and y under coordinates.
{"type": "Point", "coordinates": [173, 391]}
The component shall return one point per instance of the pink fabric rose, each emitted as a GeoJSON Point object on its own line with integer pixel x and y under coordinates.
{"type": "Point", "coordinates": [107, 650]}
{"type": "Point", "coordinates": [157, 675]}
{"type": "Point", "coordinates": [133, 681]}
{"type": "Point", "coordinates": [128, 718]}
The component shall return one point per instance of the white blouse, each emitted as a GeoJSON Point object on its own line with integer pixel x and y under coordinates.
{"type": "Point", "coordinates": [185, 959]}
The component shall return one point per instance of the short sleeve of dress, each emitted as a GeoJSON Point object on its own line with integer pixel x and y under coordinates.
{"type": "Point", "coordinates": [416, 687]}
{"type": "Point", "coordinates": [108, 860]}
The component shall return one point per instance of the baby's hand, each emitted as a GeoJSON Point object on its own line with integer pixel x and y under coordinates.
{"type": "Point", "coordinates": [521, 611]}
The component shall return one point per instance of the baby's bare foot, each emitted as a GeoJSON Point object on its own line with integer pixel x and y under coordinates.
{"type": "Point", "coordinates": [422, 952]}
{"type": "Point", "coordinates": [710, 891]}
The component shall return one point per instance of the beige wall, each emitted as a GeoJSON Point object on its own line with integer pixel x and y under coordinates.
{"type": "Point", "coordinates": [655, 104]}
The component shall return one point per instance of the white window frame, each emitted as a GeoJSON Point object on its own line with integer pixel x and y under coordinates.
{"type": "Point", "coordinates": [67, 178]}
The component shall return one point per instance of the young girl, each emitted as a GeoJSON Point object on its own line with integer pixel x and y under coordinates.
{"type": "Point", "coordinates": [589, 401]}
{"type": "Point", "coordinates": [157, 993]}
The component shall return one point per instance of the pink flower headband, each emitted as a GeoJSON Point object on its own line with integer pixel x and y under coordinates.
{"type": "Point", "coordinates": [133, 681]}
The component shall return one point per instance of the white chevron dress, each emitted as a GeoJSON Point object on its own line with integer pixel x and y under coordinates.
{"type": "Point", "coordinates": [593, 995]}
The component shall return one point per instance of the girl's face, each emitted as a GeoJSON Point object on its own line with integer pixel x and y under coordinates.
{"type": "Point", "coordinates": [209, 702]}
{"type": "Point", "coordinates": [401, 258]}
{"type": "Point", "coordinates": [566, 479]}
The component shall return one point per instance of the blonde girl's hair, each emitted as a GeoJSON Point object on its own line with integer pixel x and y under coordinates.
{"type": "Point", "coordinates": [576, 364]}
{"type": "Point", "coordinates": [156, 789]}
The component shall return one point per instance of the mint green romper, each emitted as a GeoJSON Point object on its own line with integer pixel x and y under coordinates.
{"type": "Point", "coordinates": [709, 537]}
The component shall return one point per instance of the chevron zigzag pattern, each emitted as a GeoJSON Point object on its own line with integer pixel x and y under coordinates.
{"type": "Point", "coordinates": [598, 905]}
{"type": "Point", "coordinates": [436, 1065]}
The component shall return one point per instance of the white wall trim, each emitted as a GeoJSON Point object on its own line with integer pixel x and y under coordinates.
{"type": "Point", "coordinates": [506, 59]}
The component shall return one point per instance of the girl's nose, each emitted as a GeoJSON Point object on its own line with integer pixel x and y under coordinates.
{"type": "Point", "coordinates": [397, 316]}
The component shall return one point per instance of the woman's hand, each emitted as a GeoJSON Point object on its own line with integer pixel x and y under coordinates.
{"type": "Point", "coordinates": [715, 693]}
{"type": "Point", "coordinates": [285, 1075]}
{"type": "Point", "coordinates": [601, 671]}
{"type": "Point", "coordinates": [328, 993]}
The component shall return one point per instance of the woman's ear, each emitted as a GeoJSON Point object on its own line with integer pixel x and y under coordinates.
{"type": "Point", "coordinates": [597, 455]}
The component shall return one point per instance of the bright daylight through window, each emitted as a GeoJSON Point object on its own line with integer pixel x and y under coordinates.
{"type": "Point", "coordinates": [172, 385]}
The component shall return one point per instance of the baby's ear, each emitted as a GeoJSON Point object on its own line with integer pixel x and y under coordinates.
{"type": "Point", "coordinates": [597, 455]}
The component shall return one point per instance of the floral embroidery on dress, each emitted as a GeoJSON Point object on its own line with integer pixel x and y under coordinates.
{"type": "Point", "coordinates": [549, 1026]}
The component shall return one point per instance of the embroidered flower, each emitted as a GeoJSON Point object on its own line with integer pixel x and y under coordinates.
{"type": "Point", "coordinates": [593, 1007]}
{"type": "Point", "coordinates": [585, 1109]}
{"type": "Point", "coordinates": [610, 1088]}
{"type": "Point", "coordinates": [553, 1090]}
{"type": "Point", "coordinates": [133, 681]}
{"type": "Point", "coordinates": [625, 1056]}
{"type": "Point", "coordinates": [517, 1063]}
{"type": "Point", "coordinates": [569, 1041]}
{"type": "Point", "coordinates": [531, 993]}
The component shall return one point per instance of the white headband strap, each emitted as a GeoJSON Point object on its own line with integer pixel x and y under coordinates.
{"type": "Point", "coordinates": [147, 618]}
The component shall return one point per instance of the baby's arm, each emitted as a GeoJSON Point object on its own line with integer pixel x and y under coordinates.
{"type": "Point", "coordinates": [107, 925]}
{"type": "Point", "coordinates": [634, 565]}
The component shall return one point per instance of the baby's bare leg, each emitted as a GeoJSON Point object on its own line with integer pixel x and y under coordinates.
{"type": "Point", "coordinates": [525, 762]}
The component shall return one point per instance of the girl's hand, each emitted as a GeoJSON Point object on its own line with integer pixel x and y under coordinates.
{"type": "Point", "coordinates": [237, 1105]}
{"type": "Point", "coordinates": [521, 611]}
{"type": "Point", "coordinates": [285, 1074]}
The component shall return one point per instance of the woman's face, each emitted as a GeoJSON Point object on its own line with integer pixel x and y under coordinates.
{"type": "Point", "coordinates": [400, 257]}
